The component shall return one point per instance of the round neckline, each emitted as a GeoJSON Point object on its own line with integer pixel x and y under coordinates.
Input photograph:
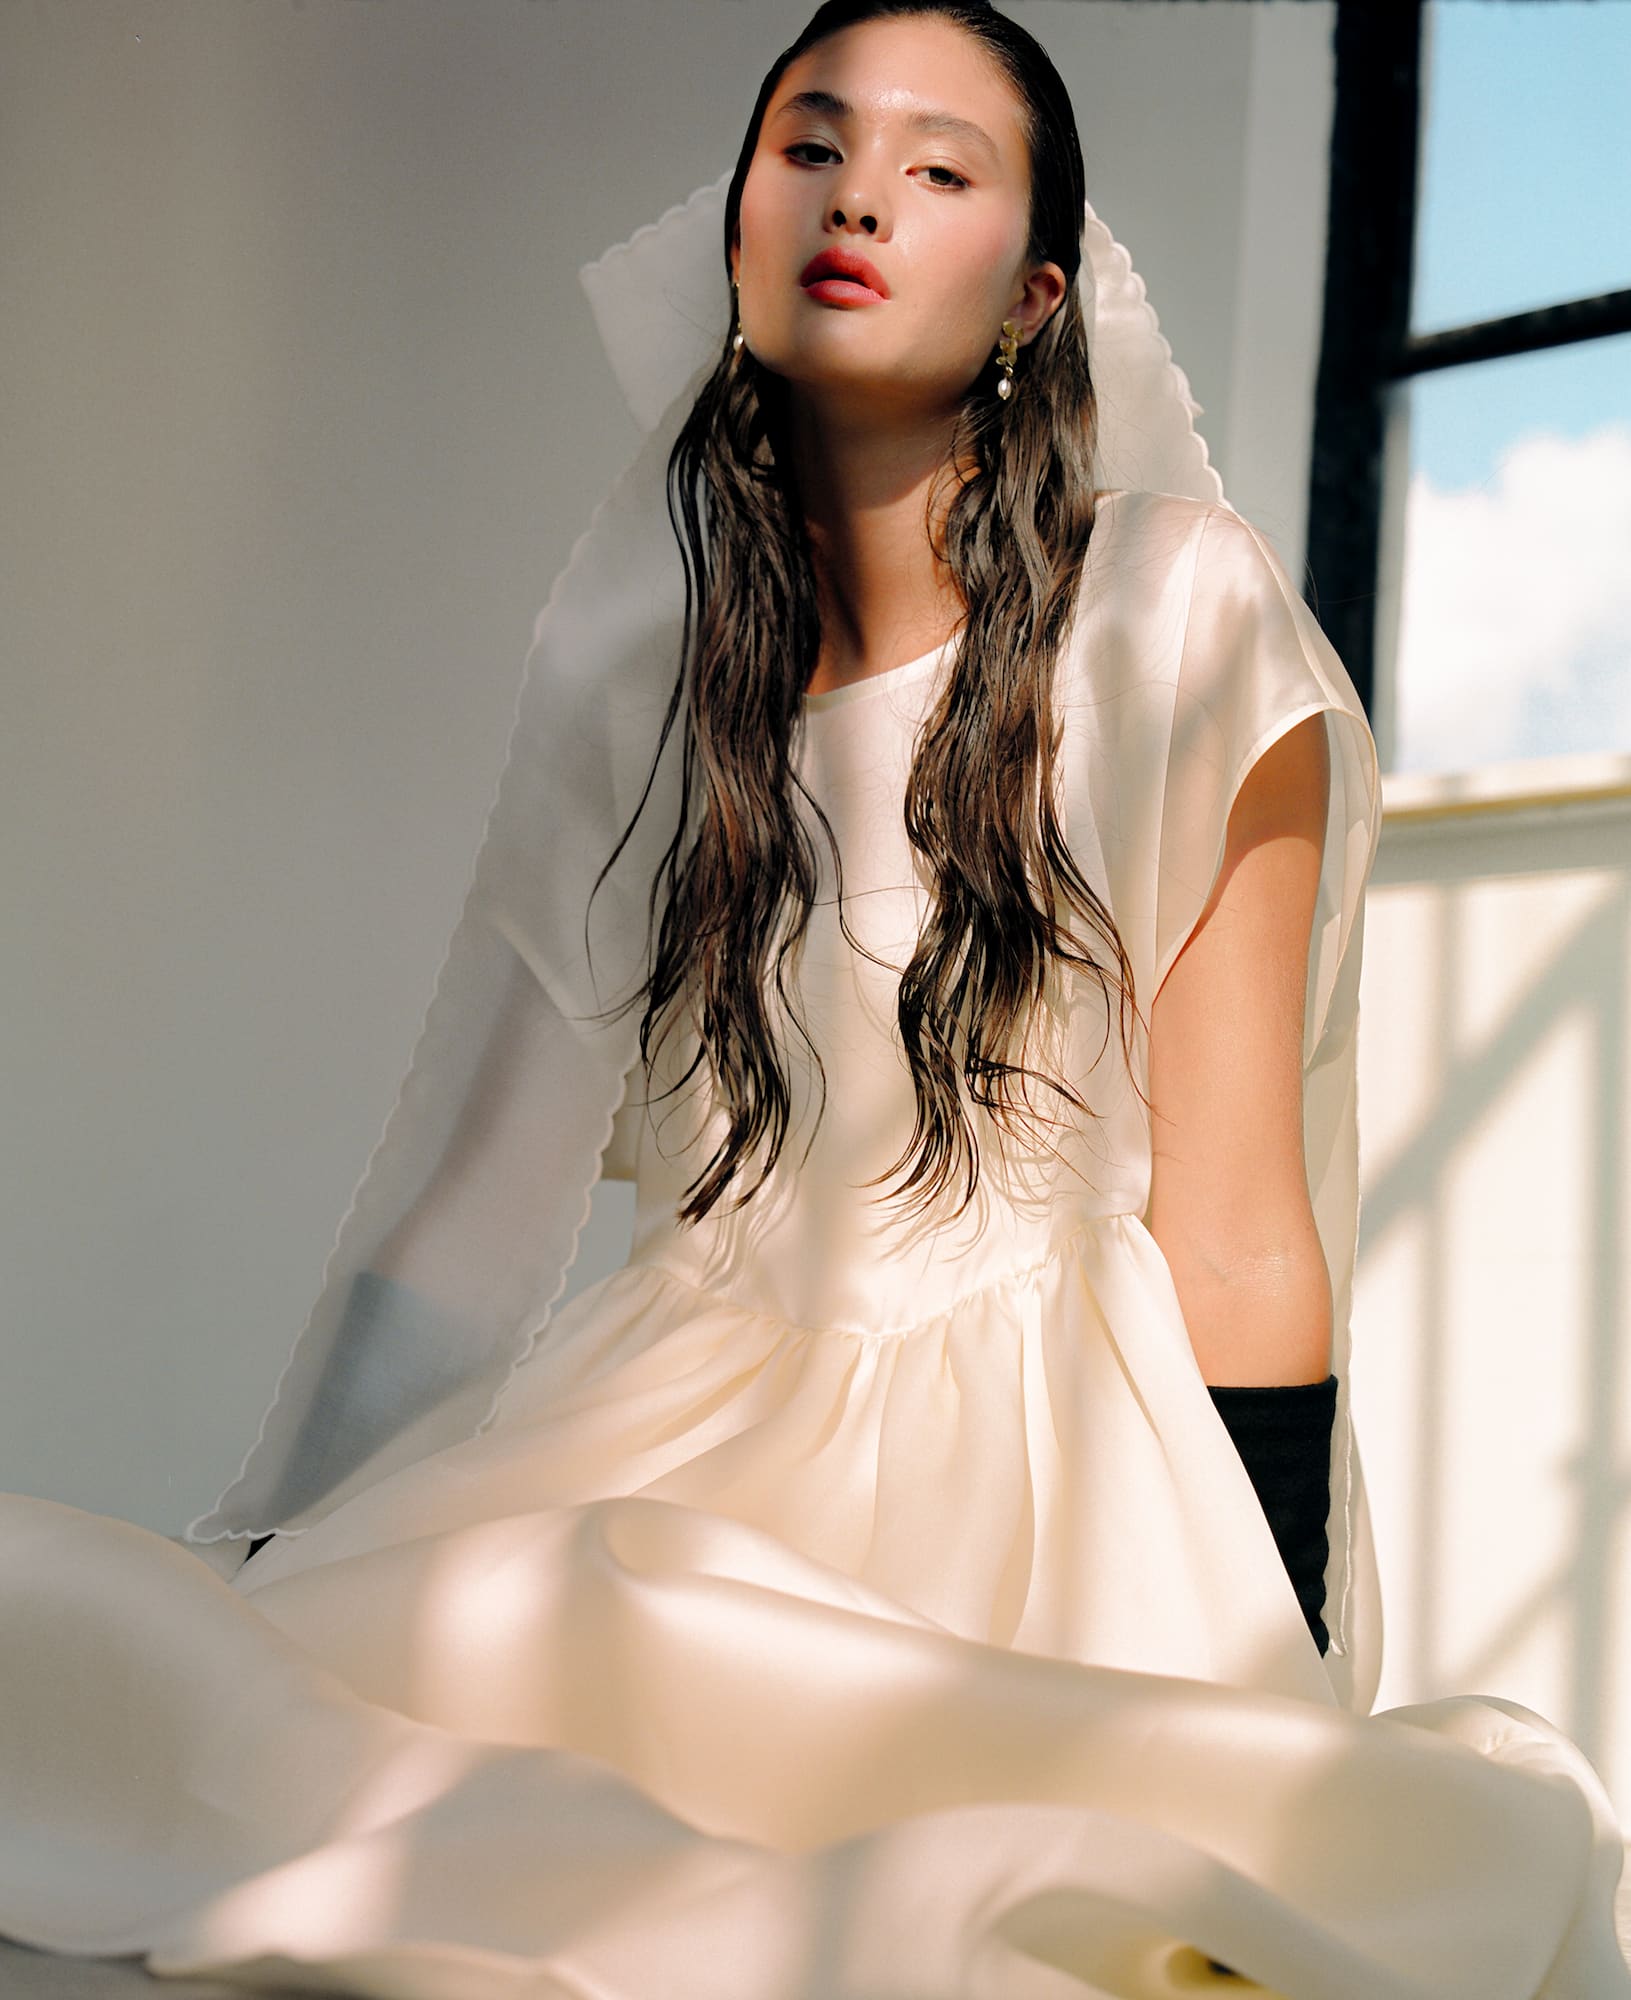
{"type": "Point", "coordinates": [873, 683]}
{"type": "Point", "coordinates": [838, 697]}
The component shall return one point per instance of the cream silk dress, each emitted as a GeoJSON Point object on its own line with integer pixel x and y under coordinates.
{"type": "Point", "coordinates": [838, 1608]}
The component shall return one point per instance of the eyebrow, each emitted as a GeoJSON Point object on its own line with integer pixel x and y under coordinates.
{"type": "Point", "coordinates": [825, 103]}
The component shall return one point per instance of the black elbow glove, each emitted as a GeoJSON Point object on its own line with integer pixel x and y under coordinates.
{"type": "Point", "coordinates": [1283, 1436]}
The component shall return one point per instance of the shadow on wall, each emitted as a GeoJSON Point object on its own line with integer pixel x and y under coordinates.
{"type": "Point", "coordinates": [1491, 1319]}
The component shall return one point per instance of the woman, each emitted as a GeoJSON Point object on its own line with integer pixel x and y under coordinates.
{"type": "Point", "coordinates": [858, 1593]}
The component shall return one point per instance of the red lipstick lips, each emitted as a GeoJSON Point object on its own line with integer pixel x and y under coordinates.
{"type": "Point", "coordinates": [843, 277]}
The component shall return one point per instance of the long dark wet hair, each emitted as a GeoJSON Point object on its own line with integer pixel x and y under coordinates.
{"type": "Point", "coordinates": [979, 811]}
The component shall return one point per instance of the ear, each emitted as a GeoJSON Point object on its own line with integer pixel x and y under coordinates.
{"type": "Point", "coordinates": [1043, 293]}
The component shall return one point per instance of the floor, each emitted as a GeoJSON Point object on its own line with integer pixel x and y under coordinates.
{"type": "Point", "coordinates": [28, 1975]}
{"type": "Point", "coordinates": [35, 1975]}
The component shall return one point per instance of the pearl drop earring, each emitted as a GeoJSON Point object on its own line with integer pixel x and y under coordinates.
{"type": "Point", "coordinates": [1007, 348]}
{"type": "Point", "coordinates": [736, 338]}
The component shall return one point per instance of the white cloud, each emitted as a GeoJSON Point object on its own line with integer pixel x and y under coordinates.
{"type": "Point", "coordinates": [1515, 618]}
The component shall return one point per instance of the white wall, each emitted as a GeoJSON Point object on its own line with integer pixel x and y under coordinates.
{"type": "Point", "coordinates": [302, 411]}
{"type": "Point", "coordinates": [1492, 1302]}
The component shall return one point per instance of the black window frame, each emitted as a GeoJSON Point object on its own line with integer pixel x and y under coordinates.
{"type": "Point", "coordinates": [1366, 347]}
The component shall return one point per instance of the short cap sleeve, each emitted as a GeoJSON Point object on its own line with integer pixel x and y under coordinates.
{"type": "Point", "coordinates": [1254, 663]}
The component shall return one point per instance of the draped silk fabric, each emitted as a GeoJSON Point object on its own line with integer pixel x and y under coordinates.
{"type": "Point", "coordinates": [824, 1606]}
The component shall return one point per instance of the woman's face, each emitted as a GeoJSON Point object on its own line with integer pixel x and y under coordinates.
{"type": "Point", "coordinates": [939, 208]}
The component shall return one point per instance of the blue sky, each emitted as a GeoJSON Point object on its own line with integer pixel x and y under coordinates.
{"type": "Point", "coordinates": [1525, 201]}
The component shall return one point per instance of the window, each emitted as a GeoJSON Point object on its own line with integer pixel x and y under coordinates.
{"type": "Point", "coordinates": [1470, 506]}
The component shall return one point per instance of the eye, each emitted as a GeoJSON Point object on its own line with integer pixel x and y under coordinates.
{"type": "Point", "coordinates": [953, 178]}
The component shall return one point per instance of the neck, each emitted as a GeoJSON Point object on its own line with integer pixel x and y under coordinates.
{"type": "Point", "coordinates": [864, 485]}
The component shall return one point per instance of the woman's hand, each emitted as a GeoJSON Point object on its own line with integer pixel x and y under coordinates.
{"type": "Point", "coordinates": [1229, 1202]}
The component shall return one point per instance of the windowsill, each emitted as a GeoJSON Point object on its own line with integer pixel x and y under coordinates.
{"type": "Point", "coordinates": [1523, 786]}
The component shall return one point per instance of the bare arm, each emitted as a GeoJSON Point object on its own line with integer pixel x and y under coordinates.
{"type": "Point", "coordinates": [1229, 1202]}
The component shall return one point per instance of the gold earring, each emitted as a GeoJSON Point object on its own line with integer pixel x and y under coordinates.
{"type": "Point", "coordinates": [736, 338]}
{"type": "Point", "coordinates": [1007, 348]}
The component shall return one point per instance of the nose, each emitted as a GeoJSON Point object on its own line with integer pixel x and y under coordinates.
{"type": "Point", "coordinates": [858, 206]}
{"type": "Point", "coordinates": [864, 219]}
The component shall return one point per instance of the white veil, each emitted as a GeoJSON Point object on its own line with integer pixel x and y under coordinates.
{"type": "Point", "coordinates": [442, 1276]}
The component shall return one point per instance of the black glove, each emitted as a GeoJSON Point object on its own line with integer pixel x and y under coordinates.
{"type": "Point", "coordinates": [1283, 1436]}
